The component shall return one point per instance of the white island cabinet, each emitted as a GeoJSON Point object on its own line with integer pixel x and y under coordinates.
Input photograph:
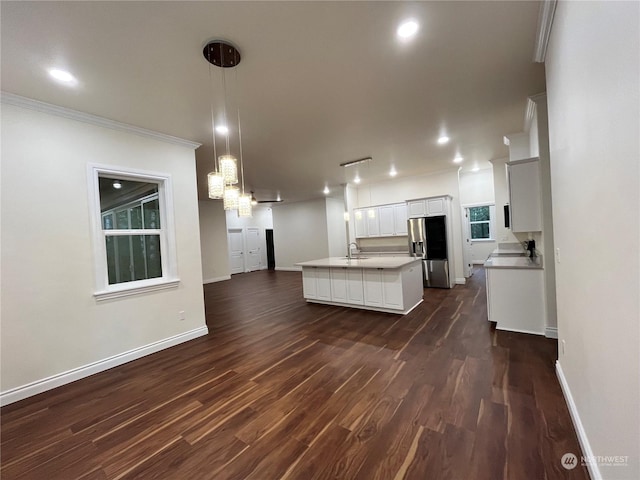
{"type": "Point", "coordinates": [385, 284]}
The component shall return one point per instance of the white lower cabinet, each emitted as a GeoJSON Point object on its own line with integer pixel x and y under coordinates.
{"type": "Point", "coordinates": [355, 289]}
{"type": "Point", "coordinates": [515, 299]}
{"type": "Point", "coordinates": [339, 284]}
{"type": "Point", "coordinates": [372, 281]}
{"type": "Point", "coordinates": [316, 283]}
{"type": "Point", "coordinates": [391, 289]}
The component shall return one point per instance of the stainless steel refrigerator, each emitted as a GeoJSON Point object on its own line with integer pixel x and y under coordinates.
{"type": "Point", "coordinates": [428, 240]}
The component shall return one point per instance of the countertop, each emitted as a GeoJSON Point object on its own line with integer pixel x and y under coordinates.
{"type": "Point", "coordinates": [526, 263]}
{"type": "Point", "coordinates": [371, 262]}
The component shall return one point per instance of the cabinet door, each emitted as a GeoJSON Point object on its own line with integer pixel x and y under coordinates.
{"type": "Point", "coordinates": [323, 277]}
{"type": "Point", "coordinates": [387, 221]}
{"type": "Point", "coordinates": [416, 208]}
{"type": "Point", "coordinates": [372, 286]}
{"type": "Point", "coordinates": [339, 284]}
{"type": "Point", "coordinates": [392, 288]}
{"type": "Point", "coordinates": [373, 222]}
{"type": "Point", "coordinates": [400, 218]}
{"type": "Point", "coordinates": [360, 217]}
{"type": "Point", "coordinates": [436, 206]}
{"type": "Point", "coordinates": [524, 197]}
{"type": "Point", "coordinates": [309, 282]}
{"type": "Point", "coordinates": [355, 290]}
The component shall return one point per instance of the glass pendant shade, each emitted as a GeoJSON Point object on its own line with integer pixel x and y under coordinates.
{"type": "Point", "coordinates": [230, 198]}
{"type": "Point", "coordinates": [244, 206]}
{"type": "Point", "coordinates": [215, 181]}
{"type": "Point", "coordinates": [229, 169]}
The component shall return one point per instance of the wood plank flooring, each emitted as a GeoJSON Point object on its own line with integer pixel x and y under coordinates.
{"type": "Point", "coordinates": [282, 389]}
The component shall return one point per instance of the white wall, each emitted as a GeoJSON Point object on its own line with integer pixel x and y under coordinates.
{"type": "Point", "coordinates": [336, 228]}
{"type": "Point", "coordinates": [593, 83]}
{"type": "Point", "coordinates": [213, 241]}
{"type": "Point", "coordinates": [401, 189]}
{"type": "Point", "coordinates": [51, 322]}
{"type": "Point", "coordinates": [262, 218]}
{"type": "Point", "coordinates": [299, 233]}
{"type": "Point", "coordinates": [477, 188]}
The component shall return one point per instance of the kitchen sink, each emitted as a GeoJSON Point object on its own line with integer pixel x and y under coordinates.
{"type": "Point", "coordinates": [357, 257]}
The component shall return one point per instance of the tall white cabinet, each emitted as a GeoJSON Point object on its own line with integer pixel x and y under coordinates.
{"type": "Point", "coordinates": [525, 203]}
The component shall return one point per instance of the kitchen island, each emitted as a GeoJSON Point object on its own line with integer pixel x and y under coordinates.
{"type": "Point", "coordinates": [383, 284]}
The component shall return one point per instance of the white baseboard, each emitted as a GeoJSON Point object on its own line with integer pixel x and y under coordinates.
{"type": "Point", "coordinates": [551, 332]}
{"type": "Point", "coordinates": [289, 269]}
{"type": "Point", "coordinates": [517, 330]}
{"type": "Point", "coordinates": [49, 383]}
{"type": "Point", "coordinates": [461, 281]}
{"type": "Point", "coordinates": [216, 279]}
{"type": "Point", "coordinates": [594, 471]}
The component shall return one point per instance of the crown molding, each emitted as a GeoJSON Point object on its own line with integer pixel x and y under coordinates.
{"type": "Point", "coordinates": [545, 20]}
{"type": "Point", "coordinates": [532, 105]}
{"type": "Point", "coordinates": [31, 104]}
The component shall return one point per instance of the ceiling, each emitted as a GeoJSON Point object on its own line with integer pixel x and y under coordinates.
{"type": "Point", "coordinates": [319, 84]}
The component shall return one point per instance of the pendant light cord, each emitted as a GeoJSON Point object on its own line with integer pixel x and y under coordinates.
{"type": "Point", "coordinates": [239, 130]}
{"type": "Point", "coordinates": [224, 90]}
{"type": "Point", "coordinates": [213, 123]}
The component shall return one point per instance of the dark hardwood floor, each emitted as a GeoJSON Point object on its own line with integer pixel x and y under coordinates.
{"type": "Point", "coordinates": [282, 389]}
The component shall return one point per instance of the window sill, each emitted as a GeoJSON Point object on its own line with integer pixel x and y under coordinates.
{"type": "Point", "coordinates": [482, 240]}
{"type": "Point", "coordinates": [127, 291]}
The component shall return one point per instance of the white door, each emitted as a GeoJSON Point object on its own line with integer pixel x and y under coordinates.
{"type": "Point", "coordinates": [360, 218]}
{"type": "Point", "coordinates": [400, 219]}
{"type": "Point", "coordinates": [467, 253]}
{"type": "Point", "coordinates": [372, 279]}
{"type": "Point", "coordinates": [339, 284]}
{"type": "Point", "coordinates": [236, 250]}
{"type": "Point", "coordinates": [254, 249]}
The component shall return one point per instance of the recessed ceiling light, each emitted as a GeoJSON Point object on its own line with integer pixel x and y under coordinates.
{"type": "Point", "coordinates": [393, 172]}
{"type": "Point", "coordinates": [458, 159]}
{"type": "Point", "coordinates": [357, 179]}
{"type": "Point", "coordinates": [62, 76]}
{"type": "Point", "coordinates": [117, 185]}
{"type": "Point", "coordinates": [443, 139]}
{"type": "Point", "coordinates": [326, 190]}
{"type": "Point", "coordinates": [222, 129]}
{"type": "Point", "coordinates": [408, 29]}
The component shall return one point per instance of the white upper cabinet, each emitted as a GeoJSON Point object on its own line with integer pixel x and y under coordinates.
{"type": "Point", "coordinates": [400, 218]}
{"type": "Point", "coordinates": [360, 219]}
{"type": "Point", "coordinates": [436, 206]}
{"type": "Point", "coordinates": [525, 203]}
{"type": "Point", "coordinates": [373, 222]}
{"type": "Point", "coordinates": [425, 207]}
{"type": "Point", "coordinates": [381, 221]}
{"type": "Point", "coordinates": [387, 223]}
{"type": "Point", "coordinates": [417, 208]}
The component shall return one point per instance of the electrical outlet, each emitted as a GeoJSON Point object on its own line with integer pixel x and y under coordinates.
{"type": "Point", "coordinates": [181, 315]}
{"type": "Point", "coordinates": [558, 255]}
{"type": "Point", "coordinates": [562, 343]}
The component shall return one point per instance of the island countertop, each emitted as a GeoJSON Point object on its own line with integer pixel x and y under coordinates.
{"type": "Point", "coordinates": [371, 262]}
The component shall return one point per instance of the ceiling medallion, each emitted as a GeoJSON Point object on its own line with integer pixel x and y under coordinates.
{"type": "Point", "coordinates": [221, 54]}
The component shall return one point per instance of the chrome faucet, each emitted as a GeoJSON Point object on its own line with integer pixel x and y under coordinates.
{"type": "Point", "coordinates": [349, 249]}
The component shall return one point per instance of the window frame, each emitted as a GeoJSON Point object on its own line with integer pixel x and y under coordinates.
{"type": "Point", "coordinates": [168, 259]}
{"type": "Point", "coordinates": [492, 216]}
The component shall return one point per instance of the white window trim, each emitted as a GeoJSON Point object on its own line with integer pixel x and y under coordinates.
{"type": "Point", "coordinates": [492, 215]}
{"type": "Point", "coordinates": [169, 279]}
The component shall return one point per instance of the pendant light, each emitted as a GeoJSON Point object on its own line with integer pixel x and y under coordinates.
{"type": "Point", "coordinates": [223, 180]}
